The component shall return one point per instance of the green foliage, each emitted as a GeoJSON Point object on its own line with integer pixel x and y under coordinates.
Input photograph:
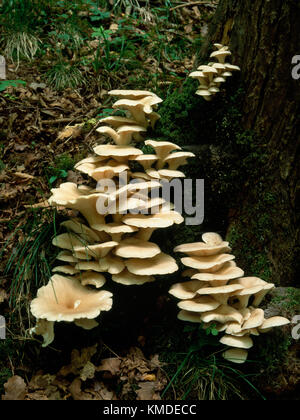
{"type": "Point", "coordinates": [63, 75]}
{"type": "Point", "coordinates": [4, 84]}
{"type": "Point", "coordinates": [29, 264]}
{"type": "Point", "coordinates": [200, 372]}
{"type": "Point", "coordinates": [62, 165]}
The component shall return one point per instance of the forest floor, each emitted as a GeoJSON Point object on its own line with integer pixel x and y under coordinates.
{"type": "Point", "coordinates": [49, 113]}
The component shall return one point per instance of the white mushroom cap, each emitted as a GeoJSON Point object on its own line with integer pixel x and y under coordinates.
{"type": "Point", "coordinates": [274, 321]}
{"type": "Point", "coordinates": [174, 160]}
{"type": "Point", "coordinates": [223, 314]}
{"type": "Point", "coordinates": [235, 355]}
{"type": "Point", "coordinates": [117, 152]}
{"type": "Point", "coordinates": [65, 299]}
{"type": "Point", "coordinates": [255, 320]}
{"type": "Point", "coordinates": [76, 226]}
{"type": "Point", "coordinates": [199, 304]}
{"type": "Point", "coordinates": [220, 55]}
{"type": "Point", "coordinates": [158, 265]}
{"type": "Point", "coordinates": [211, 263]}
{"type": "Point", "coordinates": [69, 195]}
{"type": "Point", "coordinates": [86, 324]}
{"type": "Point", "coordinates": [112, 264]}
{"type": "Point", "coordinates": [159, 220]}
{"type": "Point", "coordinates": [122, 136]}
{"type": "Point", "coordinates": [90, 278]}
{"type": "Point", "coordinates": [146, 160]}
{"type": "Point", "coordinates": [162, 148]}
{"type": "Point", "coordinates": [199, 75]}
{"type": "Point", "coordinates": [228, 272]}
{"type": "Point", "coordinates": [187, 290]}
{"type": "Point", "coordinates": [206, 94]}
{"type": "Point", "coordinates": [138, 108]}
{"type": "Point", "coordinates": [221, 293]}
{"type": "Point", "coordinates": [97, 250]}
{"type": "Point", "coordinates": [128, 279]}
{"type": "Point", "coordinates": [66, 269]}
{"type": "Point", "coordinates": [170, 174]}
{"type": "Point", "coordinates": [202, 249]}
{"type": "Point", "coordinates": [132, 247]}
{"type": "Point", "coordinates": [66, 256]}
{"type": "Point", "coordinates": [67, 241]}
{"type": "Point", "coordinates": [131, 94]}
{"type": "Point", "coordinates": [189, 316]}
{"type": "Point", "coordinates": [116, 122]}
{"type": "Point", "coordinates": [231, 67]}
{"type": "Point", "coordinates": [244, 342]}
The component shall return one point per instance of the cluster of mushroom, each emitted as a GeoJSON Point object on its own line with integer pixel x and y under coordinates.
{"type": "Point", "coordinates": [219, 294]}
{"type": "Point", "coordinates": [112, 234]}
{"type": "Point", "coordinates": [212, 75]}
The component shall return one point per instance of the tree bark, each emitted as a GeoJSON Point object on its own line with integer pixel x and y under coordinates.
{"type": "Point", "coordinates": [263, 36]}
{"type": "Point", "coordinates": [261, 216]}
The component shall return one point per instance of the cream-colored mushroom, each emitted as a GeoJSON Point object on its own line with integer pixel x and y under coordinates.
{"type": "Point", "coordinates": [64, 299]}
{"type": "Point", "coordinates": [129, 279]}
{"type": "Point", "coordinates": [158, 265]}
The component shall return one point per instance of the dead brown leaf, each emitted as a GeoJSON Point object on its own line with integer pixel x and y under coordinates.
{"type": "Point", "coordinates": [15, 389]}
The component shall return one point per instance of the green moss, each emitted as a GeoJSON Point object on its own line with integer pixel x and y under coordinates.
{"type": "Point", "coordinates": [290, 301]}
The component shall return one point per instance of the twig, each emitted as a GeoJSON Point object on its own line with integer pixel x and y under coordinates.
{"type": "Point", "coordinates": [193, 3]}
{"type": "Point", "coordinates": [58, 121]}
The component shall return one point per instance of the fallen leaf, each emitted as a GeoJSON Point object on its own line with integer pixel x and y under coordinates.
{"type": "Point", "coordinates": [111, 365]}
{"type": "Point", "coordinates": [15, 389]}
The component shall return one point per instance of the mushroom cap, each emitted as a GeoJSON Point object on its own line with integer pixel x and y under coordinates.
{"type": "Point", "coordinates": [211, 263]}
{"type": "Point", "coordinates": [202, 249]}
{"type": "Point", "coordinates": [220, 55]}
{"type": "Point", "coordinates": [229, 271]}
{"type": "Point", "coordinates": [255, 320]}
{"type": "Point", "coordinates": [244, 342]}
{"type": "Point", "coordinates": [66, 256]}
{"type": "Point", "coordinates": [115, 228]}
{"type": "Point", "coordinates": [90, 278]}
{"type": "Point", "coordinates": [189, 316]}
{"type": "Point", "coordinates": [128, 279]}
{"type": "Point", "coordinates": [116, 122]}
{"type": "Point", "coordinates": [66, 269]}
{"type": "Point", "coordinates": [131, 94]}
{"type": "Point", "coordinates": [186, 290]}
{"type": "Point", "coordinates": [97, 250]}
{"type": "Point", "coordinates": [64, 299]}
{"type": "Point", "coordinates": [162, 148]}
{"type": "Point", "coordinates": [113, 150]}
{"type": "Point", "coordinates": [235, 355]}
{"type": "Point", "coordinates": [223, 314]}
{"type": "Point", "coordinates": [67, 241]}
{"type": "Point", "coordinates": [112, 264]}
{"type": "Point", "coordinates": [158, 265]}
{"type": "Point", "coordinates": [212, 238]}
{"type": "Point", "coordinates": [76, 226]}
{"type": "Point", "coordinates": [231, 67]}
{"type": "Point", "coordinates": [199, 304]}
{"type": "Point", "coordinates": [132, 247]}
{"type": "Point", "coordinates": [174, 160]}
{"type": "Point", "coordinates": [170, 174]}
{"type": "Point", "coordinates": [221, 290]}
{"type": "Point", "coordinates": [146, 160]}
{"type": "Point", "coordinates": [159, 220]}
{"type": "Point", "coordinates": [274, 321]}
{"type": "Point", "coordinates": [86, 324]}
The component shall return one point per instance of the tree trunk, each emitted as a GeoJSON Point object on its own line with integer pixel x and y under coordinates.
{"type": "Point", "coordinates": [263, 36]}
